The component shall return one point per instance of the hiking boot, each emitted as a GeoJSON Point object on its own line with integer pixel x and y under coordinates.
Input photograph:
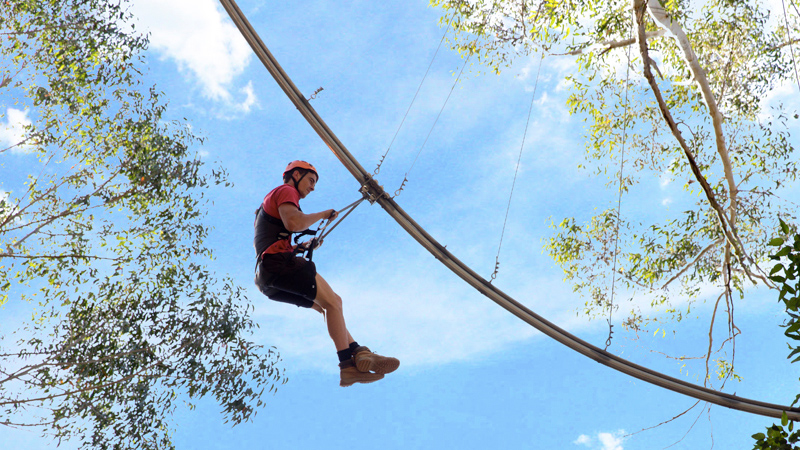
{"type": "Point", "coordinates": [366, 361]}
{"type": "Point", "coordinates": [349, 375]}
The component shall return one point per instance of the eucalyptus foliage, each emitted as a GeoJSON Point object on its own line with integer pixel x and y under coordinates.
{"type": "Point", "coordinates": [786, 273]}
{"type": "Point", "coordinates": [680, 86]}
{"type": "Point", "coordinates": [105, 243]}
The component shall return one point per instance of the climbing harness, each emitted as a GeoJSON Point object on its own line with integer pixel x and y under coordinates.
{"type": "Point", "coordinates": [275, 230]}
{"type": "Point", "coordinates": [516, 170]}
{"type": "Point", "coordinates": [471, 277]}
{"type": "Point", "coordinates": [269, 230]}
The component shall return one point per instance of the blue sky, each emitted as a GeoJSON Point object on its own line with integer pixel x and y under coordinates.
{"type": "Point", "coordinates": [471, 375]}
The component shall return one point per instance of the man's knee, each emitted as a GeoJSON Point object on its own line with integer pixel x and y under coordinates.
{"type": "Point", "coordinates": [331, 301]}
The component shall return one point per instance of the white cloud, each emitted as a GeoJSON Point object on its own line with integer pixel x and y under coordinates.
{"type": "Point", "coordinates": [12, 131]}
{"type": "Point", "coordinates": [194, 34]}
{"type": "Point", "coordinates": [666, 202]}
{"type": "Point", "coordinates": [250, 98]}
{"type": "Point", "coordinates": [665, 179]}
{"type": "Point", "coordinates": [403, 322]}
{"type": "Point", "coordinates": [604, 441]}
{"type": "Point", "coordinates": [611, 441]}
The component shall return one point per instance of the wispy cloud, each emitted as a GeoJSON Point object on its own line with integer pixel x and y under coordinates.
{"type": "Point", "coordinates": [205, 47]}
{"type": "Point", "coordinates": [602, 441]}
{"type": "Point", "coordinates": [250, 98]}
{"type": "Point", "coordinates": [665, 179]}
{"type": "Point", "coordinates": [12, 130]}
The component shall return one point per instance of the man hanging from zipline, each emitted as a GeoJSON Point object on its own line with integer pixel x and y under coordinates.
{"type": "Point", "coordinates": [285, 277]}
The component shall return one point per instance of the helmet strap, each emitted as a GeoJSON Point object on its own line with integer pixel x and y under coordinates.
{"type": "Point", "coordinates": [297, 182]}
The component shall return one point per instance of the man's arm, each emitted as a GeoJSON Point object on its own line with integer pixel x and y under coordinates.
{"type": "Point", "coordinates": [295, 220]}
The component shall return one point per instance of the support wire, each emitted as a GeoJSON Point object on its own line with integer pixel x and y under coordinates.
{"type": "Point", "coordinates": [470, 276]}
{"type": "Point", "coordinates": [378, 167]}
{"type": "Point", "coordinates": [516, 170]}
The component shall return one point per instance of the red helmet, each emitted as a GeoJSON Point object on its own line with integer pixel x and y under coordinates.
{"type": "Point", "coordinates": [300, 165]}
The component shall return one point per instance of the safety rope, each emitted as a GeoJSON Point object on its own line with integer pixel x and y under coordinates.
{"type": "Point", "coordinates": [470, 276]}
{"type": "Point", "coordinates": [516, 170]}
{"type": "Point", "coordinates": [349, 208]}
{"type": "Point", "coordinates": [405, 177]}
{"type": "Point", "coordinates": [619, 197]}
{"type": "Point", "coordinates": [455, 83]}
{"type": "Point", "coordinates": [378, 167]}
{"type": "Point", "coordinates": [316, 242]}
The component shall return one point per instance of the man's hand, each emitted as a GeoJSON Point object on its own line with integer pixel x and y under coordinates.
{"type": "Point", "coordinates": [331, 214]}
{"type": "Point", "coordinates": [307, 244]}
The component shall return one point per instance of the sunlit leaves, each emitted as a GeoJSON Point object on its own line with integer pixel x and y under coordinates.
{"type": "Point", "coordinates": [743, 59]}
{"type": "Point", "coordinates": [787, 274]}
{"type": "Point", "coordinates": [106, 240]}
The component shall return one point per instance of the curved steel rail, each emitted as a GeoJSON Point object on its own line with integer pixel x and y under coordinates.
{"type": "Point", "coordinates": [464, 272]}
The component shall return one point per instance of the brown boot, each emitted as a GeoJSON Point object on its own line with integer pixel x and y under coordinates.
{"type": "Point", "coordinates": [349, 375]}
{"type": "Point", "coordinates": [366, 361]}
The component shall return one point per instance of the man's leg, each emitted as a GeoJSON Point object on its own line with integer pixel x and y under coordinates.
{"type": "Point", "coordinates": [365, 360]}
{"type": "Point", "coordinates": [332, 304]}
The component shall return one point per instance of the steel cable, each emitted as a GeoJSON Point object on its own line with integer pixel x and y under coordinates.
{"type": "Point", "coordinates": [471, 277]}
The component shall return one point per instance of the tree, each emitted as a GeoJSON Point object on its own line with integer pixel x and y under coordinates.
{"type": "Point", "coordinates": [659, 99]}
{"type": "Point", "coordinates": [787, 277]}
{"type": "Point", "coordinates": [105, 241]}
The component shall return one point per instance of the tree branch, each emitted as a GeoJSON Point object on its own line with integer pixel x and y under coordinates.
{"type": "Point", "coordinates": [730, 234]}
{"type": "Point", "coordinates": [96, 386]}
{"type": "Point", "coordinates": [694, 261]}
{"type": "Point", "coordinates": [30, 32]}
{"type": "Point", "coordinates": [612, 44]}
{"type": "Point", "coordinates": [666, 421]}
{"type": "Point", "coordinates": [711, 338]}
{"type": "Point", "coordinates": [92, 257]}
{"type": "Point", "coordinates": [66, 212]}
{"type": "Point", "coordinates": [659, 14]}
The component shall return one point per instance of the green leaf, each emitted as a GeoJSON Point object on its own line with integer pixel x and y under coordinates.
{"type": "Point", "coordinates": [759, 436]}
{"type": "Point", "coordinates": [784, 227]}
{"type": "Point", "coordinates": [784, 419]}
{"type": "Point", "coordinates": [776, 242]}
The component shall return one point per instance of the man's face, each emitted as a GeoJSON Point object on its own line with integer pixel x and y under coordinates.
{"type": "Point", "coordinates": [307, 184]}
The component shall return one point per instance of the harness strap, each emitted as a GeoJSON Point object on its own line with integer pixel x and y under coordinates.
{"type": "Point", "coordinates": [321, 230]}
{"type": "Point", "coordinates": [280, 233]}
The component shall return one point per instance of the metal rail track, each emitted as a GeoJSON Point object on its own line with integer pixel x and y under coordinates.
{"type": "Point", "coordinates": [376, 194]}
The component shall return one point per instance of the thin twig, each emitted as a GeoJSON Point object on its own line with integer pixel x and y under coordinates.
{"type": "Point", "coordinates": [666, 421]}
{"type": "Point", "coordinates": [694, 261]}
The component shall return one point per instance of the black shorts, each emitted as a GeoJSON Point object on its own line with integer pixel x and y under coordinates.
{"type": "Point", "coordinates": [286, 278]}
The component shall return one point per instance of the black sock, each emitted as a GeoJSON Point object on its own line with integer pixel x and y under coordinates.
{"type": "Point", "coordinates": [354, 345]}
{"type": "Point", "coordinates": [345, 355]}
